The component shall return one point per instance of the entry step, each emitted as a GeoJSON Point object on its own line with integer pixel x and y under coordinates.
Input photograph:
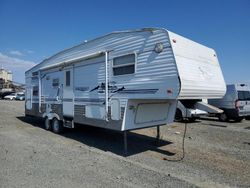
{"type": "Point", "coordinates": [69, 124]}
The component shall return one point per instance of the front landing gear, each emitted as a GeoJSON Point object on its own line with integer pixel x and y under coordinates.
{"type": "Point", "coordinates": [158, 135]}
{"type": "Point", "coordinates": [125, 142]}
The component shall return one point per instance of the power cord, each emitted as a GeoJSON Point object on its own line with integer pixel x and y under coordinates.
{"type": "Point", "coordinates": [183, 144]}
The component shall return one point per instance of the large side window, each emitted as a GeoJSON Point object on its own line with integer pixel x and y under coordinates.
{"type": "Point", "coordinates": [124, 65]}
{"type": "Point", "coordinates": [67, 78]}
{"type": "Point", "coordinates": [244, 95]}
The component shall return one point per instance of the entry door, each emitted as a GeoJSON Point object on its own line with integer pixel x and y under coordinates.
{"type": "Point", "coordinates": [68, 94]}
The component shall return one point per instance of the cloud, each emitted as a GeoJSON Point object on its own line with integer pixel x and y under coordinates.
{"type": "Point", "coordinates": [29, 51]}
{"type": "Point", "coordinates": [16, 65]}
{"type": "Point", "coordinates": [15, 52]}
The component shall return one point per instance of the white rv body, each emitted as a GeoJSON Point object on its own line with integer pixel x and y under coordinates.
{"type": "Point", "coordinates": [200, 76]}
{"type": "Point", "coordinates": [123, 81]}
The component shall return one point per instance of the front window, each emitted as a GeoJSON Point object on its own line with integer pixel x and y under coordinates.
{"type": "Point", "coordinates": [124, 65]}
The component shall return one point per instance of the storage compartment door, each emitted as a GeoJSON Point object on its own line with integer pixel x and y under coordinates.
{"type": "Point", "coordinates": [115, 109]}
{"type": "Point", "coordinates": [95, 111]}
{"type": "Point", "coordinates": [149, 113]}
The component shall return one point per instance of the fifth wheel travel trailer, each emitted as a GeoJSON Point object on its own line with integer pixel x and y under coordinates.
{"type": "Point", "coordinates": [122, 81]}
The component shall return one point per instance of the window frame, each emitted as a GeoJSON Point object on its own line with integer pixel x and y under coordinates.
{"type": "Point", "coordinates": [124, 65]}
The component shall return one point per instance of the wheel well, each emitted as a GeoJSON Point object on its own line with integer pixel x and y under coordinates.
{"type": "Point", "coordinates": [179, 110]}
{"type": "Point", "coordinates": [51, 116]}
{"type": "Point", "coordinates": [178, 114]}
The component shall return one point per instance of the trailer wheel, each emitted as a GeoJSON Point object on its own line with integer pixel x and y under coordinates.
{"type": "Point", "coordinates": [192, 119]}
{"type": "Point", "coordinates": [57, 126]}
{"type": "Point", "coordinates": [247, 117]}
{"type": "Point", "coordinates": [47, 124]}
{"type": "Point", "coordinates": [223, 117]}
{"type": "Point", "coordinates": [178, 115]}
{"type": "Point", "coordinates": [239, 119]}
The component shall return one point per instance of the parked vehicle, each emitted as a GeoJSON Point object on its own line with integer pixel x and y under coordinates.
{"type": "Point", "coordinates": [236, 103]}
{"type": "Point", "coordinates": [5, 93]}
{"type": "Point", "coordinates": [11, 96]}
{"type": "Point", "coordinates": [20, 96]}
{"type": "Point", "coordinates": [192, 109]}
{"type": "Point", "coordinates": [122, 81]}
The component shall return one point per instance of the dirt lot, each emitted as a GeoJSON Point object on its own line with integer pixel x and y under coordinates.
{"type": "Point", "coordinates": [216, 155]}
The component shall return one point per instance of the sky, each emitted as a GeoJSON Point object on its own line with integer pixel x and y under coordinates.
{"type": "Point", "coordinates": [32, 30]}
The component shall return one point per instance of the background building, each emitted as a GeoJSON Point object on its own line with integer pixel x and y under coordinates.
{"type": "Point", "coordinates": [5, 79]}
{"type": "Point", "coordinates": [5, 75]}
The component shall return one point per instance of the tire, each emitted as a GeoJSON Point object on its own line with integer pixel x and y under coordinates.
{"type": "Point", "coordinates": [223, 117]}
{"type": "Point", "coordinates": [192, 119]}
{"type": "Point", "coordinates": [47, 124]}
{"type": "Point", "coordinates": [247, 118]}
{"type": "Point", "coordinates": [178, 115]}
{"type": "Point", "coordinates": [239, 119]}
{"type": "Point", "coordinates": [57, 126]}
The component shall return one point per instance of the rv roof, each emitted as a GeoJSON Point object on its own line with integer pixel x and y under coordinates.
{"type": "Point", "coordinates": [85, 42]}
{"type": "Point", "coordinates": [92, 40]}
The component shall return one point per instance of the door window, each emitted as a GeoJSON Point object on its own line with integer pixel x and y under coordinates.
{"type": "Point", "coordinates": [67, 79]}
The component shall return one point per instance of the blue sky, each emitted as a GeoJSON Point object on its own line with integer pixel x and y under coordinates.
{"type": "Point", "coordinates": [33, 30]}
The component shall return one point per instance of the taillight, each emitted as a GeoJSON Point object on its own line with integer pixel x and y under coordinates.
{"type": "Point", "coordinates": [237, 104]}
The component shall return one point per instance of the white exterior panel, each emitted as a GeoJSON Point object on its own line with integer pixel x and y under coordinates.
{"type": "Point", "coordinates": [199, 70]}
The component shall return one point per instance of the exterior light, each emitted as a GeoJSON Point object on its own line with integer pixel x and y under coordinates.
{"type": "Point", "coordinates": [159, 47]}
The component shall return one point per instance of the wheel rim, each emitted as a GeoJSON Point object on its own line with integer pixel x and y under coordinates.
{"type": "Point", "coordinates": [47, 124]}
{"type": "Point", "coordinates": [56, 125]}
{"type": "Point", "coordinates": [223, 117]}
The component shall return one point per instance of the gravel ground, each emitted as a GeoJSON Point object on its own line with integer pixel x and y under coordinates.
{"type": "Point", "coordinates": [216, 155]}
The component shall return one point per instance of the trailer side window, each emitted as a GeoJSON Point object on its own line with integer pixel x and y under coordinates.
{"type": "Point", "coordinates": [67, 78]}
{"type": "Point", "coordinates": [124, 65]}
{"type": "Point", "coordinates": [35, 91]}
{"type": "Point", "coordinates": [55, 82]}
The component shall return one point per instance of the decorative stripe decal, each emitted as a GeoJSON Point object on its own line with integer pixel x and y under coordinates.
{"type": "Point", "coordinates": [67, 100]}
{"type": "Point", "coordinates": [50, 99]}
{"type": "Point", "coordinates": [101, 100]}
{"type": "Point", "coordinates": [89, 100]}
{"type": "Point", "coordinates": [138, 91]}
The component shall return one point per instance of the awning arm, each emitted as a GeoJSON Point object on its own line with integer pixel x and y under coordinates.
{"type": "Point", "coordinates": [106, 86]}
{"type": "Point", "coordinates": [71, 61]}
